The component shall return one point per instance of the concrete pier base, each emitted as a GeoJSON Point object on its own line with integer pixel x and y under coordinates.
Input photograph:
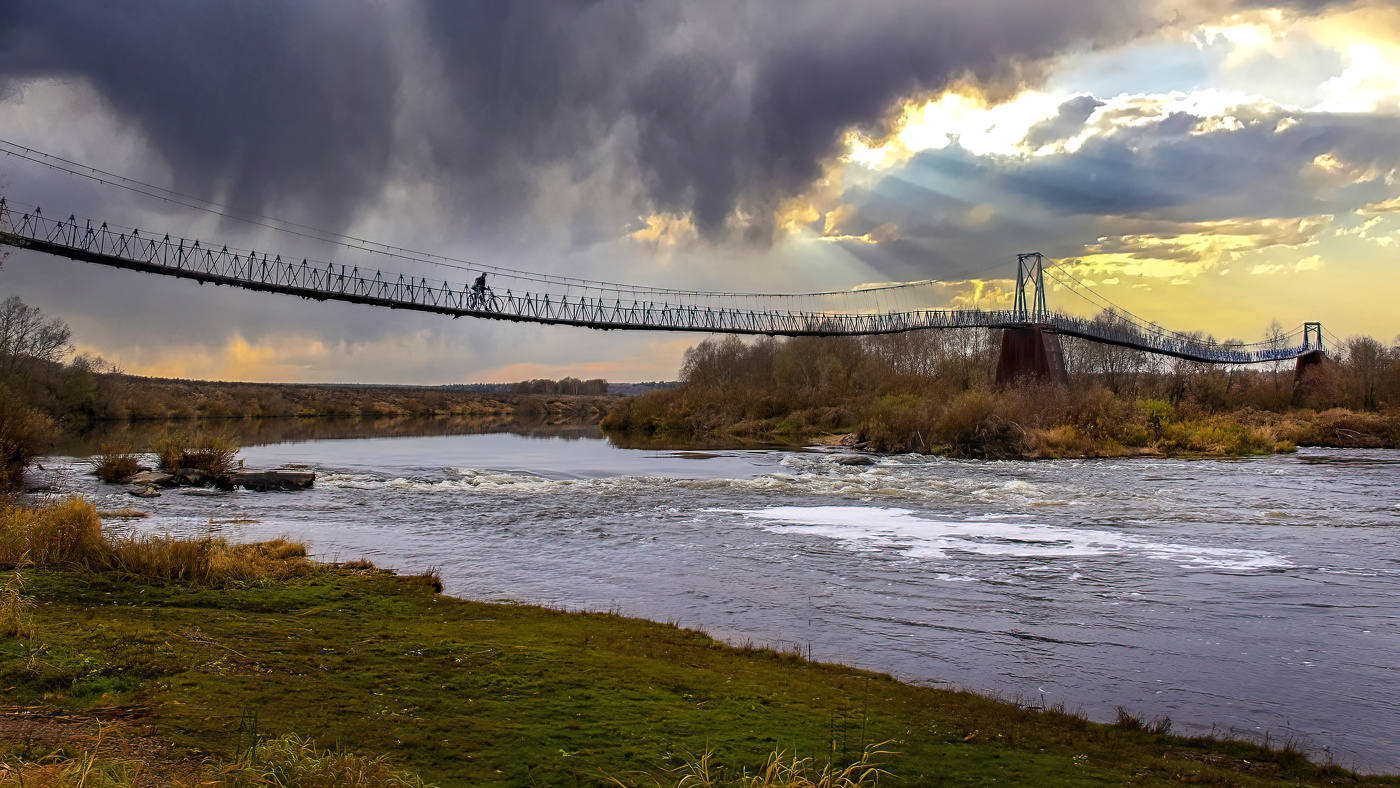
{"type": "Point", "coordinates": [1031, 354]}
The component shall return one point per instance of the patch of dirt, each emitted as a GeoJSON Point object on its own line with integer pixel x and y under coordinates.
{"type": "Point", "coordinates": [1220, 760]}
{"type": "Point", "coordinates": [114, 733]}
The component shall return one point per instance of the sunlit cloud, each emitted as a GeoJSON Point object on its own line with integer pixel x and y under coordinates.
{"type": "Point", "coordinates": [666, 231]}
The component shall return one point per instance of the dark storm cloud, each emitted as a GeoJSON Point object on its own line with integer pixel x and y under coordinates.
{"type": "Point", "coordinates": [277, 101]}
{"type": "Point", "coordinates": [703, 107]}
{"type": "Point", "coordinates": [731, 103]}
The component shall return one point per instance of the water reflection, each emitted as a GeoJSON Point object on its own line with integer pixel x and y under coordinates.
{"type": "Point", "coordinates": [266, 432]}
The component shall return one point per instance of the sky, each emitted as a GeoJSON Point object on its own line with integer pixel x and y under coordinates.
{"type": "Point", "coordinates": [1210, 165]}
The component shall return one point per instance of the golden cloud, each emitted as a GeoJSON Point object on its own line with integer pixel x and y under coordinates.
{"type": "Point", "coordinates": [667, 230]}
{"type": "Point", "coordinates": [1185, 250]}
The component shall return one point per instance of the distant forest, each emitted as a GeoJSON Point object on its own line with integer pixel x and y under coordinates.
{"type": "Point", "coordinates": [934, 391]}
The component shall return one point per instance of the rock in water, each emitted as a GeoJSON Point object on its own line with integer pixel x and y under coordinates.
{"type": "Point", "coordinates": [855, 459]}
{"type": "Point", "coordinates": [194, 477]}
{"type": "Point", "coordinates": [152, 479]}
{"type": "Point", "coordinates": [263, 481]}
{"type": "Point", "coordinates": [142, 491]}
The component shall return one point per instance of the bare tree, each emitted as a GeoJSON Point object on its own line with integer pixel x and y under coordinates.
{"type": "Point", "coordinates": [29, 341]}
{"type": "Point", "coordinates": [1367, 363]}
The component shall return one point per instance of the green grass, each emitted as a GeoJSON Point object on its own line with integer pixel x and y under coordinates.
{"type": "Point", "coordinates": [469, 693]}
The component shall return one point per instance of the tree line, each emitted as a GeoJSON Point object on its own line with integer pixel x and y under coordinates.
{"type": "Point", "coordinates": [935, 390]}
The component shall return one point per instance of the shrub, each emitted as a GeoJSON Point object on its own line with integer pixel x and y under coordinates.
{"type": "Point", "coordinates": [25, 433]}
{"type": "Point", "coordinates": [897, 421]}
{"type": "Point", "coordinates": [1159, 413]}
{"type": "Point", "coordinates": [972, 426]}
{"type": "Point", "coordinates": [662, 413]}
{"type": "Point", "coordinates": [1065, 440]}
{"type": "Point", "coordinates": [213, 454]}
{"type": "Point", "coordinates": [117, 461]}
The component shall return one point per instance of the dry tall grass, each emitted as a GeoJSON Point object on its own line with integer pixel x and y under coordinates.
{"type": "Point", "coordinates": [117, 461]}
{"type": "Point", "coordinates": [68, 532]}
{"type": "Point", "coordinates": [84, 771]}
{"type": "Point", "coordinates": [780, 770]}
{"type": "Point", "coordinates": [294, 762]}
{"type": "Point", "coordinates": [206, 559]}
{"type": "Point", "coordinates": [16, 609]}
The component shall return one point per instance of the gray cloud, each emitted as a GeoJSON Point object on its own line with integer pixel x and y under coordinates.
{"type": "Point", "coordinates": [1066, 123]}
{"type": "Point", "coordinates": [731, 103]}
{"type": "Point", "coordinates": [687, 107]}
{"type": "Point", "coordinates": [1169, 169]}
{"type": "Point", "coordinates": [277, 102]}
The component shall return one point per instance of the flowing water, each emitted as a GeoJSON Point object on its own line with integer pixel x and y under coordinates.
{"type": "Point", "coordinates": [1256, 595]}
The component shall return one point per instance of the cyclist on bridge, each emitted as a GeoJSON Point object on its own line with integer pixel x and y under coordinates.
{"type": "Point", "coordinates": [479, 288]}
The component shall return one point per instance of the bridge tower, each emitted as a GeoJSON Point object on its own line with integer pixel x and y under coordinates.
{"type": "Point", "coordinates": [1031, 350]}
{"type": "Point", "coordinates": [1313, 370]}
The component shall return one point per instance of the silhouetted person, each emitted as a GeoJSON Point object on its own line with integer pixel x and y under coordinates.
{"type": "Point", "coordinates": [479, 288]}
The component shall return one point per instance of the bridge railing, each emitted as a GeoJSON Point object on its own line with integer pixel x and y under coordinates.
{"type": "Point", "coordinates": [180, 257]}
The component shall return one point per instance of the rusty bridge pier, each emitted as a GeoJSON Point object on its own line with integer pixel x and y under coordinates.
{"type": "Point", "coordinates": [1030, 349]}
{"type": "Point", "coordinates": [1312, 372]}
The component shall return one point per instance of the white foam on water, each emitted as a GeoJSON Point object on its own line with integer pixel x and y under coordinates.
{"type": "Point", "coordinates": [803, 475]}
{"type": "Point", "coordinates": [869, 528]}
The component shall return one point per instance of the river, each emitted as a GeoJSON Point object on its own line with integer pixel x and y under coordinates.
{"type": "Point", "coordinates": [1256, 596]}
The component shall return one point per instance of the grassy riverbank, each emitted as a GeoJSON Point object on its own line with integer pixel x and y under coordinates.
{"type": "Point", "coordinates": [203, 648]}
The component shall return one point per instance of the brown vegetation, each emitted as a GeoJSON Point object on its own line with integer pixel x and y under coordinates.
{"type": "Point", "coordinates": [117, 460]}
{"type": "Point", "coordinates": [202, 451]}
{"type": "Point", "coordinates": [933, 392]}
{"type": "Point", "coordinates": [133, 398]}
{"type": "Point", "coordinates": [25, 433]}
{"type": "Point", "coordinates": [68, 533]}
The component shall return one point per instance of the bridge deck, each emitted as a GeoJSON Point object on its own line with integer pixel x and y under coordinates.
{"type": "Point", "coordinates": [326, 281]}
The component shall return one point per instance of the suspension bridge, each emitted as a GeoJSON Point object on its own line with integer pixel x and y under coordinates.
{"type": "Point", "coordinates": [1030, 340]}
